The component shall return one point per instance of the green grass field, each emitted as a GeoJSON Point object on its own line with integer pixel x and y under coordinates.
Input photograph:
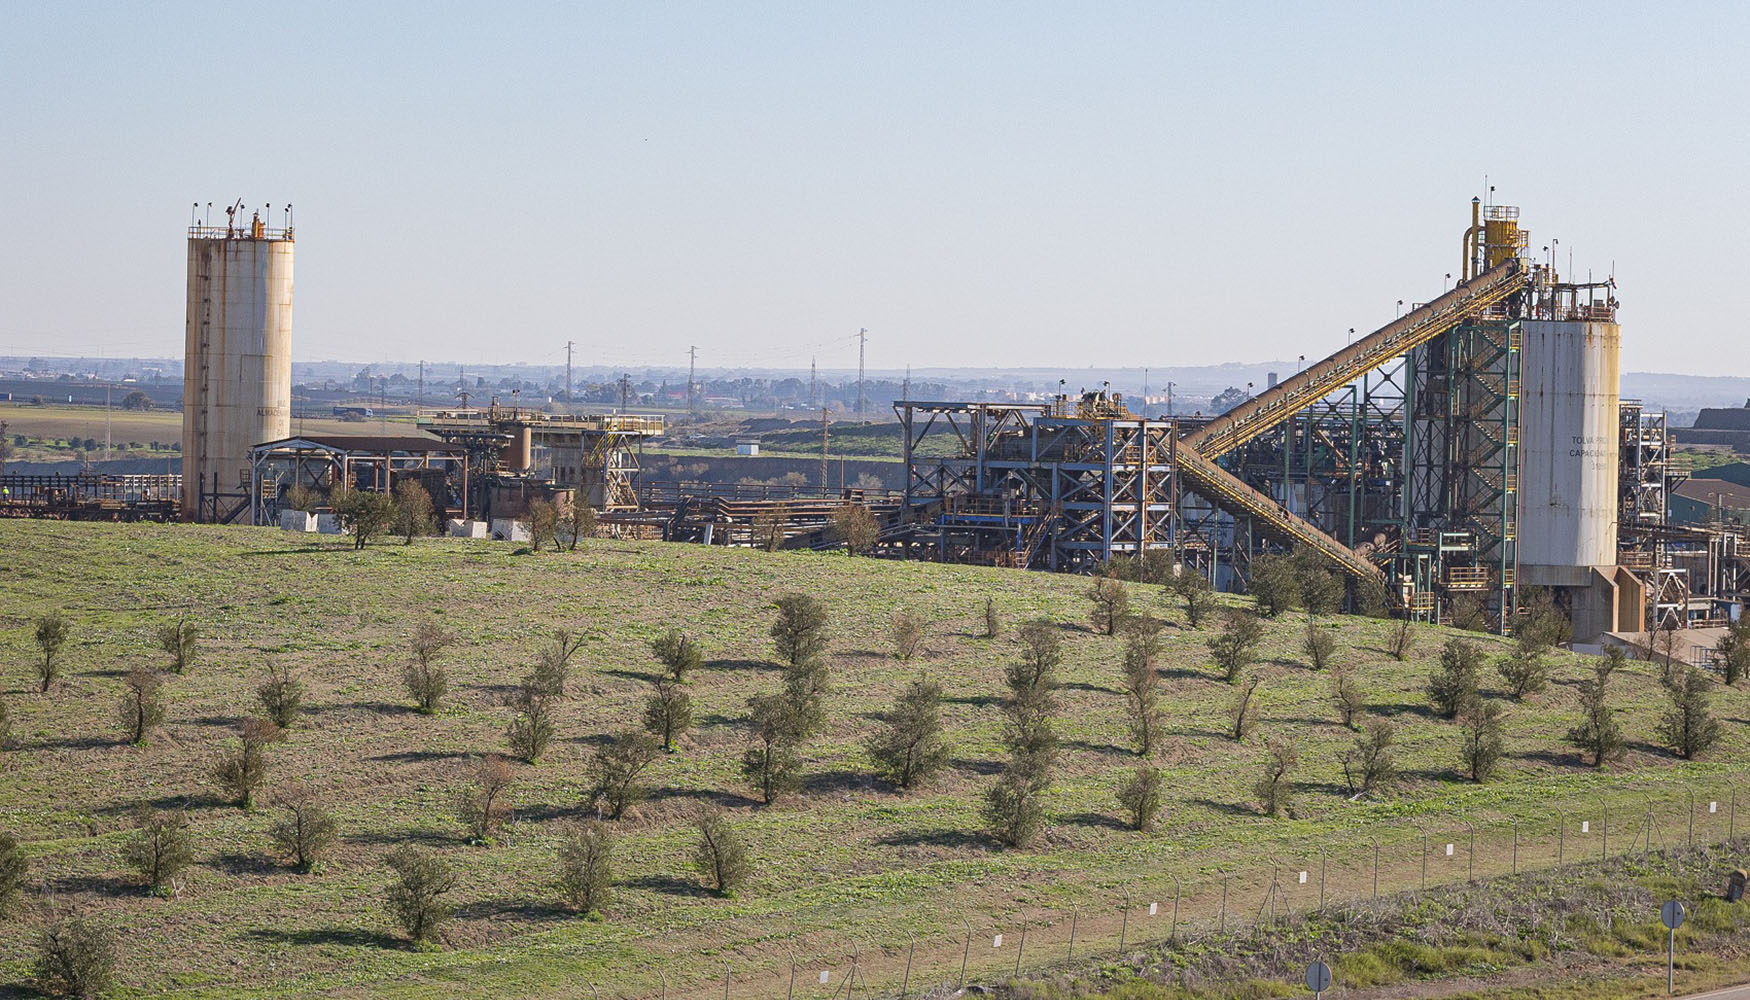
{"type": "Point", "coordinates": [847, 863]}
{"type": "Point", "coordinates": [133, 434]}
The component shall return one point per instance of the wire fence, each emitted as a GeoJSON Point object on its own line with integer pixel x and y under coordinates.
{"type": "Point", "coordinates": [1220, 894]}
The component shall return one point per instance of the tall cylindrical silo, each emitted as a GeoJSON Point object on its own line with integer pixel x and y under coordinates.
{"type": "Point", "coordinates": [237, 369]}
{"type": "Point", "coordinates": [1568, 441]}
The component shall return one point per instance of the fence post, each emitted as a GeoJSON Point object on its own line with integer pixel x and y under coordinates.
{"type": "Point", "coordinates": [664, 977]}
{"type": "Point", "coordinates": [1020, 948]}
{"type": "Point", "coordinates": [725, 980]}
{"type": "Point", "coordinates": [1074, 912]}
{"type": "Point", "coordinates": [1324, 868]}
{"type": "Point", "coordinates": [1691, 792]}
{"type": "Point", "coordinates": [1424, 860]}
{"type": "Point", "coordinates": [1604, 831]}
{"type": "Point", "coordinates": [791, 993]}
{"type": "Point", "coordinates": [1561, 837]}
{"type": "Point", "coordinates": [1223, 928]}
{"type": "Point", "coordinates": [1471, 862]}
{"type": "Point", "coordinates": [905, 985]}
{"type": "Point", "coordinates": [1376, 870]}
{"type": "Point", "coordinates": [1732, 818]}
{"type": "Point", "coordinates": [1124, 923]}
{"type": "Point", "coordinates": [1173, 935]}
{"type": "Point", "coordinates": [967, 952]}
{"type": "Point", "coordinates": [1515, 845]}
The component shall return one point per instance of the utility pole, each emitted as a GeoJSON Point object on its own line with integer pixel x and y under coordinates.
{"type": "Point", "coordinates": [813, 397]}
{"type": "Point", "coordinates": [106, 423]}
{"type": "Point", "coordinates": [625, 389]}
{"type": "Point", "coordinates": [419, 399]}
{"type": "Point", "coordinates": [1145, 393]}
{"type": "Point", "coordinates": [692, 400]}
{"type": "Point", "coordinates": [568, 346]}
{"type": "Point", "coordinates": [862, 342]}
{"type": "Point", "coordinates": [825, 436]}
{"type": "Point", "coordinates": [905, 390]}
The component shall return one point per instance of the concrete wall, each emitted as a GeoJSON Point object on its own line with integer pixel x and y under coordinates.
{"type": "Point", "coordinates": [1568, 443]}
{"type": "Point", "coordinates": [237, 379]}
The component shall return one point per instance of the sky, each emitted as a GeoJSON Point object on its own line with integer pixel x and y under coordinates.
{"type": "Point", "coordinates": [976, 184]}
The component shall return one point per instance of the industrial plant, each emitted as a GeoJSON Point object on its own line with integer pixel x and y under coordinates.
{"type": "Point", "coordinates": [1470, 449]}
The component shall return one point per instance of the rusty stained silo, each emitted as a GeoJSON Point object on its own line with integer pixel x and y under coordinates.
{"type": "Point", "coordinates": [237, 369]}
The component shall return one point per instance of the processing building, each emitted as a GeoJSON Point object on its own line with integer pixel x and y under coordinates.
{"type": "Point", "coordinates": [237, 377]}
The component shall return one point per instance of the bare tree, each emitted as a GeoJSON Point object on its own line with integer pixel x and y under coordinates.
{"type": "Point", "coordinates": [484, 804]}
{"type": "Point", "coordinates": [75, 958]}
{"type": "Point", "coordinates": [161, 846]}
{"type": "Point", "coordinates": [1111, 604]}
{"type": "Point", "coordinates": [718, 853]}
{"type": "Point", "coordinates": [586, 867]}
{"type": "Point", "coordinates": [1273, 789]}
{"type": "Point", "coordinates": [141, 708]}
{"type": "Point", "coordinates": [768, 528]}
{"type": "Point", "coordinates": [1141, 796]}
{"type": "Point", "coordinates": [415, 896]}
{"type": "Point", "coordinates": [281, 695]}
{"type": "Point", "coordinates": [241, 772]}
{"type": "Point", "coordinates": [553, 664]}
{"type": "Point", "coordinates": [616, 767]}
{"type": "Point", "coordinates": [1242, 713]}
{"type": "Point", "coordinates": [907, 634]}
{"type": "Point", "coordinates": [52, 632]}
{"type": "Point", "coordinates": [303, 831]}
{"type": "Point", "coordinates": [1319, 644]}
{"type": "Point", "coordinates": [180, 639]}
{"type": "Point", "coordinates": [910, 748]}
{"type": "Point", "coordinates": [426, 681]}
{"type": "Point", "coordinates": [1402, 639]}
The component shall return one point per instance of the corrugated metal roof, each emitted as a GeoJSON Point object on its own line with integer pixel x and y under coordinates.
{"type": "Point", "coordinates": [1715, 492]}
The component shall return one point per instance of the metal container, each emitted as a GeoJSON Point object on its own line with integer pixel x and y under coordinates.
{"type": "Point", "coordinates": [237, 381]}
{"type": "Point", "coordinates": [1568, 442]}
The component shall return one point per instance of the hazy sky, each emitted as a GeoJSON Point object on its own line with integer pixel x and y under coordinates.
{"type": "Point", "coordinates": [975, 183]}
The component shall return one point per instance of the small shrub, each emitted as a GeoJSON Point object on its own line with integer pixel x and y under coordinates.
{"type": "Point", "coordinates": [413, 510]}
{"type": "Point", "coordinates": [302, 498]}
{"type": "Point", "coordinates": [586, 867]}
{"type": "Point", "coordinates": [52, 632]}
{"type": "Point", "coordinates": [1469, 613]}
{"type": "Point", "coordinates": [1371, 764]}
{"type": "Point", "coordinates": [1242, 713]}
{"type": "Point", "coordinates": [1454, 682]}
{"type": "Point", "coordinates": [856, 527]}
{"type": "Point", "coordinates": [243, 771]}
{"type": "Point", "coordinates": [1403, 638]}
{"type": "Point", "coordinates": [281, 696]}
{"type": "Point", "coordinates": [1483, 740]}
{"type": "Point", "coordinates": [533, 726]}
{"type": "Point", "coordinates": [1689, 726]}
{"type": "Point", "coordinates": [141, 708]}
{"type": "Point", "coordinates": [415, 896]}
{"type": "Point", "coordinates": [1274, 584]}
{"type": "Point", "coordinates": [1598, 733]}
{"type": "Point", "coordinates": [1194, 592]}
{"type": "Point", "coordinates": [180, 639]}
{"type": "Point", "coordinates": [365, 513]}
{"type": "Point", "coordinates": [1524, 672]}
{"type": "Point", "coordinates": [911, 748]}
{"type": "Point", "coordinates": [771, 763]}
{"type": "Point", "coordinates": [161, 846]}
{"type": "Point", "coordinates": [718, 853]}
{"type": "Point", "coordinates": [679, 655]}
{"type": "Point", "coordinates": [1733, 651]}
{"type": "Point", "coordinates": [993, 623]}
{"type": "Point", "coordinates": [615, 769]}
{"type": "Point", "coordinates": [75, 958]}
{"type": "Point", "coordinates": [580, 520]}
{"type": "Point", "coordinates": [1347, 695]}
{"type": "Point", "coordinates": [1237, 645]}
{"type": "Point", "coordinates": [668, 712]}
{"type": "Point", "coordinates": [12, 869]}
{"type": "Point", "coordinates": [1141, 796]}
{"type": "Point", "coordinates": [1142, 692]}
{"type": "Point", "coordinates": [426, 681]}
{"type": "Point", "coordinates": [304, 831]}
{"type": "Point", "coordinates": [5, 726]}
{"type": "Point", "coordinates": [800, 633]}
{"type": "Point", "coordinates": [1013, 808]}
{"type": "Point", "coordinates": [907, 635]}
{"type": "Point", "coordinates": [1111, 603]}
{"type": "Point", "coordinates": [1318, 645]}
{"type": "Point", "coordinates": [483, 806]}
{"type": "Point", "coordinates": [1273, 788]}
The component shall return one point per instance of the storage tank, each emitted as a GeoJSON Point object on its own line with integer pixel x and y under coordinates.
{"type": "Point", "coordinates": [237, 368]}
{"type": "Point", "coordinates": [1568, 441]}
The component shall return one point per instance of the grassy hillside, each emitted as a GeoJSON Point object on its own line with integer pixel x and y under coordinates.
{"type": "Point", "coordinates": [847, 860]}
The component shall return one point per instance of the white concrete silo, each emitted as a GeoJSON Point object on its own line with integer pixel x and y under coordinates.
{"type": "Point", "coordinates": [237, 368]}
{"type": "Point", "coordinates": [1568, 443]}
